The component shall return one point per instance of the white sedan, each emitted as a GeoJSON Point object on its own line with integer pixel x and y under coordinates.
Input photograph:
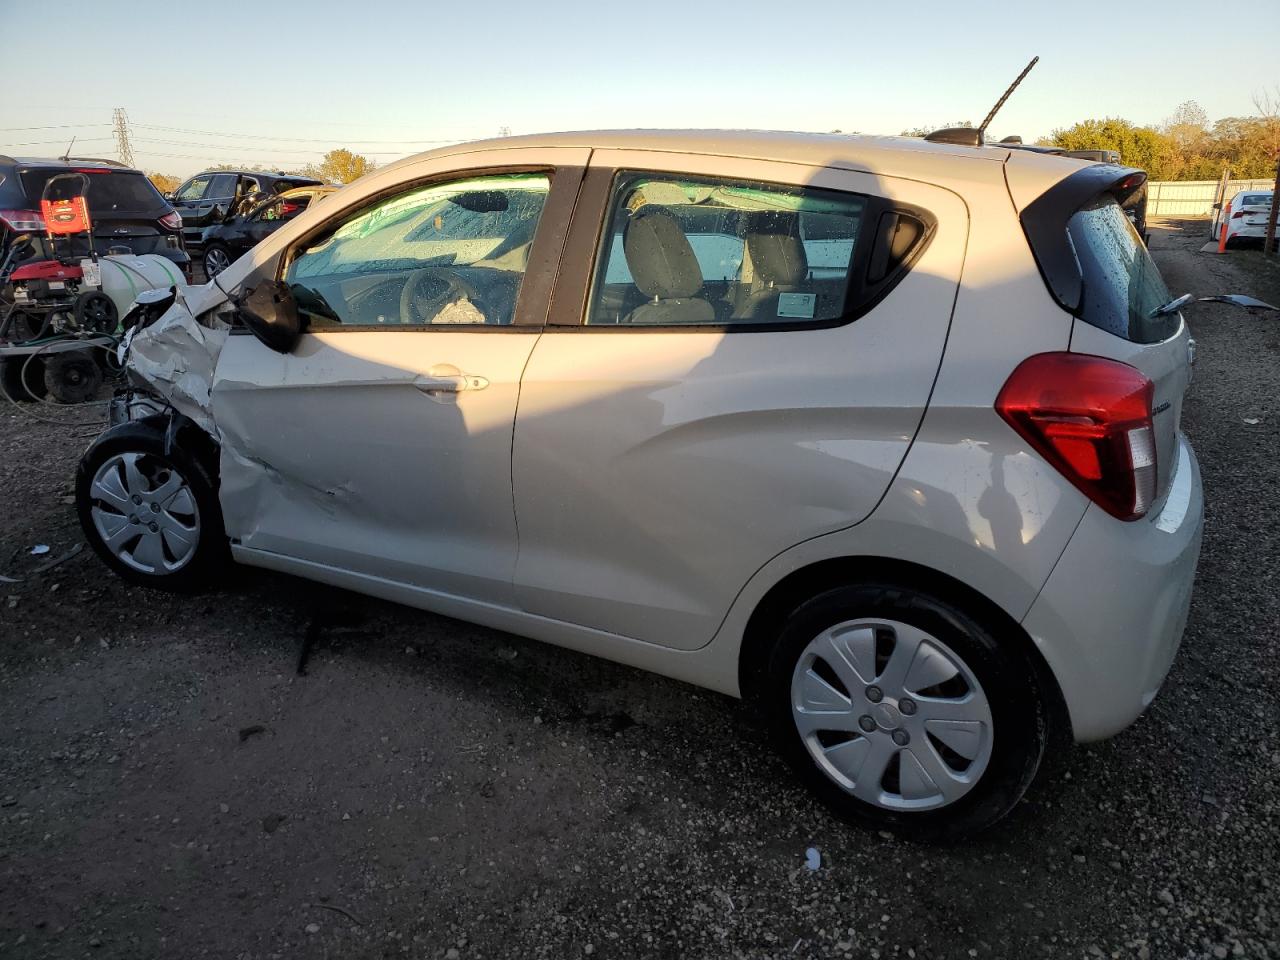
{"type": "Point", "coordinates": [1246, 216]}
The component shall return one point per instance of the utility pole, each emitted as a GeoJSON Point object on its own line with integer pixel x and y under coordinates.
{"type": "Point", "coordinates": [120, 127]}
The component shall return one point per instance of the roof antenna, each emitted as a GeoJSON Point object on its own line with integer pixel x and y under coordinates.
{"type": "Point", "coordinates": [969, 136]}
{"type": "Point", "coordinates": [67, 156]}
{"type": "Point", "coordinates": [1008, 93]}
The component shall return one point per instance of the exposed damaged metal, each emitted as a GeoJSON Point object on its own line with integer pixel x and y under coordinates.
{"type": "Point", "coordinates": [175, 357]}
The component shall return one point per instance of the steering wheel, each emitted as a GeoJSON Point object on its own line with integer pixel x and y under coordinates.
{"type": "Point", "coordinates": [419, 306]}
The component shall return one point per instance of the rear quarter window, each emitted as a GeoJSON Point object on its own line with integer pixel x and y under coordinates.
{"type": "Point", "coordinates": [1122, 285]}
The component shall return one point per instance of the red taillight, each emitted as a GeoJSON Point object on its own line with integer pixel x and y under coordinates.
{"type": "Point", "coordinates": [288, 209]}
{"type": "Point", "coordinates": [171, 220]}
{"type": "Point", "coordinates": [22, 220]}
{"type": "Point", "coordinates": [1091, 419]}
{"type": "Point", "coordinates": [1238, 214]}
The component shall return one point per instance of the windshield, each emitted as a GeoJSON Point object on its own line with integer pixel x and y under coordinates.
{"type": "Point", "coordinates": [109, 193]}
{"type": "Point", "coordinates": [1122, 285]}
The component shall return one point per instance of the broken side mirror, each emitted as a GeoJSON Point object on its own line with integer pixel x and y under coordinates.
{"type": "Point", "coordinates": [269, 312]}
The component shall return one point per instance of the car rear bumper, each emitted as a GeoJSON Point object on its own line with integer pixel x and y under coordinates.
{"type": "Point", "coordinates": [1254, 230]}
{"type": "Point", "coordinates": [1111, 616]}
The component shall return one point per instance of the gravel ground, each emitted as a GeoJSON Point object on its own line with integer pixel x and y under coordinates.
{"type": "Point", "coordinates": [432, 789]}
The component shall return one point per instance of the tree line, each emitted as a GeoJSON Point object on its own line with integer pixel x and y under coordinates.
{"type": "Point", "coordinates": [1186, 146]}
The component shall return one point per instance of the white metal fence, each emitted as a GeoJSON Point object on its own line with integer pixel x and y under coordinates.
{"type": "Point", "coordinates": [1193, 198]}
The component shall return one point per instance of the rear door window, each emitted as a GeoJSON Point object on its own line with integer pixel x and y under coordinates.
{"type": "Point", "coordinates": [223, 187]}
{"type": "Point", "coordinates": [707, 251]}
{"type": "Point", "coordinates": [1123, 288]}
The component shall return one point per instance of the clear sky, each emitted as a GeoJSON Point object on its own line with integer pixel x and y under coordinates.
{"type": "Point", "coordinates": [240, 82]}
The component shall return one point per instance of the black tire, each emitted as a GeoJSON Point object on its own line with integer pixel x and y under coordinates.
{"type": "Point", "coordinates": [22, 378]}
{"type": "Point", "coordinates": [25, 326]}
{"type": "Point", "coordinates": [1019, 716]}
{"type": "Point", "coordinates": [72, 377]}
{"type": "Point", "coordinates": [96, 312]}
{"type": "Point", "coordinates": [146, 437]}
{"type": "Point", "coordinates": [214, 250]}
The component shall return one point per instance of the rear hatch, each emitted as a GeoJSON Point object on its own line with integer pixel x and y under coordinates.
{"type": "Point", "coordinates": [1120, 317]}
{"type": "Point", "coordinates": [125, 209]}
{"type": "Point", "coordinates": [1097, 267]}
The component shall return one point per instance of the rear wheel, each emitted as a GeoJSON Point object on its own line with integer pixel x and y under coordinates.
{"type": "Point", "coordinates": [902, 711]}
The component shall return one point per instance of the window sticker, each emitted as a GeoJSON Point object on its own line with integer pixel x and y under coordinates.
{"type": "Point", "coordinates": [797, 305]}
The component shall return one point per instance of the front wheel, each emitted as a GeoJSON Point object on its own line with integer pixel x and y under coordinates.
{"type": "Point", "coordinates": [151, 515]}
{"type": "Point", "coordinates": [216, 259]}
{"type": "Point", "coordinates": [902, 711]}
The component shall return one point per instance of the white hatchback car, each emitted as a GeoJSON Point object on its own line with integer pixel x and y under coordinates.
{"type": "Point", "coordinates": [1246, 216]}
{"type": "Point", "coordinates": [879, 433]}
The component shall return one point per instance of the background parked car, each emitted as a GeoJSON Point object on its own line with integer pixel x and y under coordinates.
{"type": "Point", "coordinates": [210, 197]}
{"type": "Point", "coordinates": [223, 242]}
{"type": "Point", "coordinates": [1246, 217]}
{"type": "Point", "coordinates": [125, 208]}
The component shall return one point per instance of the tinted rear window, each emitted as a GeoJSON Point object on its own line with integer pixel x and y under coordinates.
{"type": "Point", "coordinates": [109, 193]}
{"type": "Point", "coordinates": [1256, 200]}
{"type": "Point", "coordinates": [1122, 285]}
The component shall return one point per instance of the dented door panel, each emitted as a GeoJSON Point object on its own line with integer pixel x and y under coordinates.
{"type": "Point", "coordinates": [368, 452]}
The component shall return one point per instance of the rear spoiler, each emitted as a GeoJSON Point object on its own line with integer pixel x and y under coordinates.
{"type": "Point", "coordinates": [1044, 221]}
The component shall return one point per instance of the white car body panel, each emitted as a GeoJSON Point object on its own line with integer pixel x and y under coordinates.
{"type": "Point", "coordinates": [636, 495]}
{"type": "Point", "coordinates": [647, 463]}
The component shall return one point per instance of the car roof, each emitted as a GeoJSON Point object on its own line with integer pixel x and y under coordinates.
{"type": "Point", "coordinates": [72, 163]}
{"type": "Point", "coordinates": [310, 188]}
{"type": "Point", "coordinates": [753, 144]}
{"type": "Point", "coordinates": [267, 174]}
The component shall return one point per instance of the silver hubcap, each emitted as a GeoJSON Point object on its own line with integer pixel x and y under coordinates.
{"type": "Point", "coordinates": [145, 513]}
{"type": "Point", "coordinates": [891, 714]}
{"type": "Point", "coordinates": [215, 261]}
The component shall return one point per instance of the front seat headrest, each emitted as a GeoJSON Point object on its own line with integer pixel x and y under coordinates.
{"type": "Point", "coordinates": [777, 253]}
{"type": "Point", "coordinates": [659, 256]}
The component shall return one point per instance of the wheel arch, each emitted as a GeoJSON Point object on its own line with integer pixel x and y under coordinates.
{"type": "Point", "coordinates": [809, 581]}
{"type": "Point", "coordinates": [173, 429]}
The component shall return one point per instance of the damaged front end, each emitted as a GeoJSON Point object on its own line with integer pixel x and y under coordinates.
{"type": "Point", "coordinates": [169, 358]}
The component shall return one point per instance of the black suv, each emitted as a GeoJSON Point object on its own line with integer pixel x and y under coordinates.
{"type": "Point", "coordinates": [124, 207]}
{"type": "Point", "coordinates": [212, 196]}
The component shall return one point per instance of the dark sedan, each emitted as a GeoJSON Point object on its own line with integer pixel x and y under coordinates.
{"type": "Point", "coordinates": [208, 198]}
{"type": "Point", "coordinates": [222, 243]}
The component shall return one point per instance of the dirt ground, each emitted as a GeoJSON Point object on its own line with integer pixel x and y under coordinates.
{"type": "Point", "coordinates": [430, 789]}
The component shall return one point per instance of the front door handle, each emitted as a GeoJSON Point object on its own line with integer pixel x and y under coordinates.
{"type": "Point", "coordinates": [446, 380]}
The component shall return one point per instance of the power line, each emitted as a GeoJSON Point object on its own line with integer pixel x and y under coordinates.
{"type": "Point", "coordinates": [41, 143]}
{"type": "Point", "coordinates": [257, 136]}
{"type": "Point", "coordinates": [56, 126]}
{"type": "Point", "coordinates": [120, 125]}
